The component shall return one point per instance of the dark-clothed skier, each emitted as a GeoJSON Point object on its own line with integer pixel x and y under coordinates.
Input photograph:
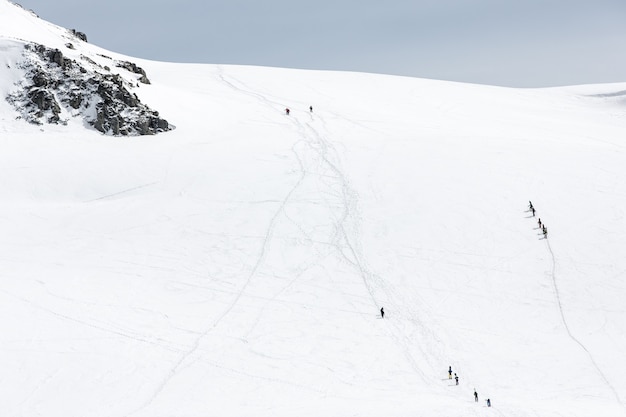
{"type": "Point", "coordinates": [382, 313]}
{"type": "Point", "coordinates": [449, 372]}
{"type": "Point", "coordinates": [532, 209]}
{"type": "Point", "coordinates": [475, 396]}
{"type": "Point", "coordinates": [311, 109]}
{"type": "Point", "coordinates": [488, 402]}
{"type": "Point", "coordinates": [539, 222]}
{"type": "Point", "coordinates": [456, 378]}
{"type": "Point", "coordinates": [287, 111]}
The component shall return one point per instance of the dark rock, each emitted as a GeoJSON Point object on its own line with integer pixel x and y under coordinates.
{"type": "Point", "coordinates": [40, 79]}
{"type": "Point", "coordinates": [56, 56]}
{"type": "Point", "coordinates": [131, 66]}
{"type": "Point", "coordinates": [57, 82]}
{"type": "Point", "coordinates": [75, 101]}
{"type": "Point", "coordinates": [115, 125]}
{"type": "Point", "coordinates": [98, 123]}
{"type": "Point", "coordinates": [79, 35]}
{"type": "Point", "coordinates": [162, 124]}
{"type": "Point", "coordinates": [45, 102]}
{"type": "Point", "coordinates": [134, 68]}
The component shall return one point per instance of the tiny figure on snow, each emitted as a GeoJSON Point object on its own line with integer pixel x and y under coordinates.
{"type": "Point", "coordinates": [545, 231]}
{"type": "Point", "coordinates": [311, 109]}
{"type": "Point", "coordinates": [488, 402]}
{"type": "Point", "coordinates": [456, 378]}
{"type": "Point", "coordinates": [382, 313]}
{"type": "Point", "coordinates": [475, 396]}
{"type": "Point", "coordinates": [287, 111]}
{"type": "Point", "coordinates": [539, 222]}
{"type": "Point", "coordinates": [530, 205]}
{"type": "Point", "coordinates": [449, 372]}
{"type": "Point", "coordinates": [532, 210]}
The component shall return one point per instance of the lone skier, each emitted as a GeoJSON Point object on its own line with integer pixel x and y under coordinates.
{"type": "Point", "coordinates": [475, 396]}
{"type": "Point", "coordinates": [488, 402]}
{"type": "Point", "coordinates": [311, 109]}
{"type": "Point", "coordinates": [287, 111]}
{"type": "Point", "coordinates": [382, 313]}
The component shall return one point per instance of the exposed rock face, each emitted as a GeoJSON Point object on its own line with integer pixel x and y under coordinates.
{"type": "Point", "coordinates": [57, 88]}
{"type": "Point", "coordinates": [79, 35]}
{"type": "Point", "coordinates": [132, 67]}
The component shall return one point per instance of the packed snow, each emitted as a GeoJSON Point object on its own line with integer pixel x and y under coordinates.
{"type": "Point", "coordinates": [236, 266]}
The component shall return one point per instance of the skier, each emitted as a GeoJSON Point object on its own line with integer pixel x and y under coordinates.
{"type": "Point", "coordinates": [382, 313]}
{"type": "Point", "coordinates": [475, 396]}
{"type": "Point", "coordinates": [539, 222]}
{"type": "Point", "coordinates": [449, 372]}
{"type": "Point", "coordinates": [287, 111]}
{"type": "Point", "coordinates": [488, 402]}
{"type": "Point", "coordinates": [532, 209]}
{"type": "Point", "coordinates": [530, 205]}
{"type": "Point", "coordinates": [311, 109]}
{"type": "Point", "coordinates": [545, 231]}
{"type": "Point", "coordinates": [456, 378]}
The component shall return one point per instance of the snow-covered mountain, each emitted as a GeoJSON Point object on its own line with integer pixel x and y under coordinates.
{"type": "Point", "coordinates": [236, 265]}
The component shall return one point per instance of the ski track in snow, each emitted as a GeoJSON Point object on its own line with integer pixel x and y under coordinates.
{"type": "Point", "coordinates": [111, 328]}
{"type": "Point", "coordinates": [188, 354]}
{"type": "Point", "coordinates": [355, 256]}
{"type": "Point", "coordinates": [122, 192]}
{"type": "Point", "coordinates": [264, 249]}
{"type": "Point", "coordinates": [344, 239]}
{"type": "Point", "coordinates": [314, 240]}
{"type": "Point", "coordinates": [322, 150]}
{"type": "Point", "coordinates": [571, 335]}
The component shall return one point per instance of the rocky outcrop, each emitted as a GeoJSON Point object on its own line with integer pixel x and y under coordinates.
{"type": "Point", "coordinates": [79, 35]}
{"type": "Point", "coordinates": [57, 88]}
{"type": "Point", "coordinates": [132, 67]}
{"type": "Point", "coordinates": [117, 100]}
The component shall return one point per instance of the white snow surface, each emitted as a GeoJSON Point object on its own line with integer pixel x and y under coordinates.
{"type": "Point", "coordinates": [236, 265]}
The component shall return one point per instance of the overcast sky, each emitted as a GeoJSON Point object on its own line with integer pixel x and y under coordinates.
{"type": "Point", "coordinates": [519, 43]}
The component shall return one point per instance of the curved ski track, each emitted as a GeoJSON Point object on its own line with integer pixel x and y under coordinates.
{"type": "Point", "coordinates": [345, 237]}
{"type": "Point", "coordinates": [571, 335]}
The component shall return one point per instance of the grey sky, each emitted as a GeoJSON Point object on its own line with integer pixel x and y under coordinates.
{"type": "Point", "coordinates": [520, 43]}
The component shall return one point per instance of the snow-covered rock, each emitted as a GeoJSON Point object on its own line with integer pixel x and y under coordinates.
{"type": "Point", "coordinates": [55, 88]}
{"type": "Point", "coordinates": [58, 77]}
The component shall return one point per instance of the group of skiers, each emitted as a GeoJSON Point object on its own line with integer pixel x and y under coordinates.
{"type": "Point", "coordinates": [476, 398]}
{"type": "Point", "coordinates": [287, 110]}
{"type": "Point", "coordinates": [542, 226]}
{"type": "Point", "coordinates": [456, 378]}
{"type": "Point", "coordinates": [544, 230]}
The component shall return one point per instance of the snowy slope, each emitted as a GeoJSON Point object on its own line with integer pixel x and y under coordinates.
{"type": "Point", "coordinates": [235, 266]}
